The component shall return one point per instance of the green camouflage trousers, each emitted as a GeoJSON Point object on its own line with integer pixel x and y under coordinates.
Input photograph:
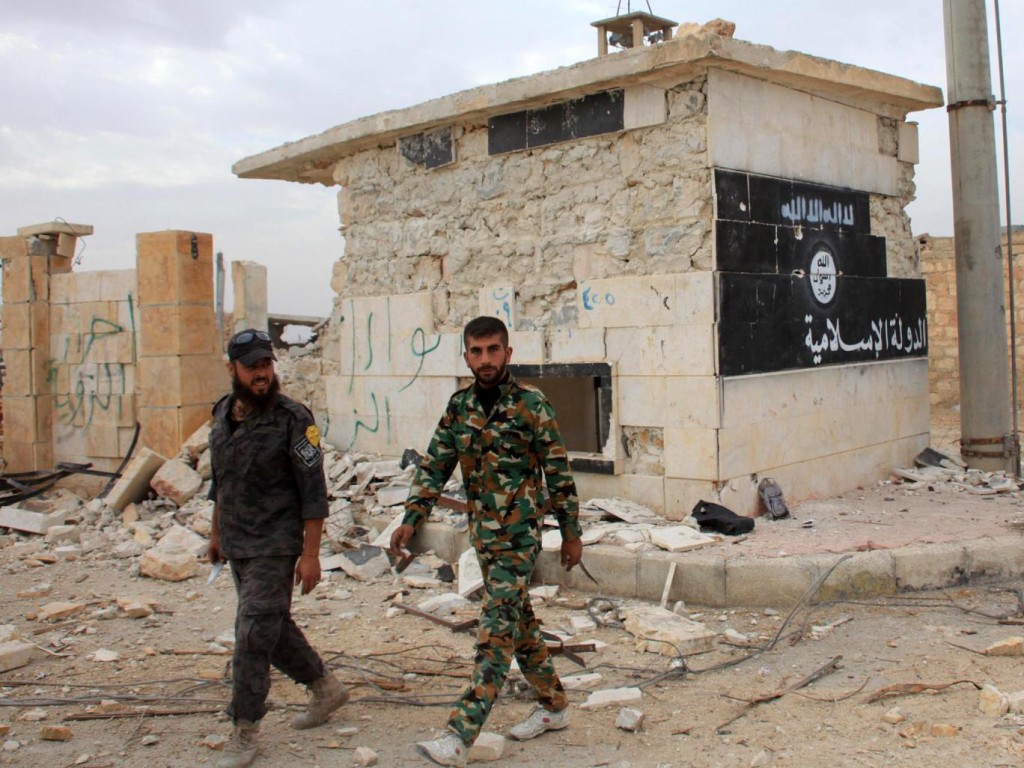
{"type": "Point", "coordinates": [507, 626]}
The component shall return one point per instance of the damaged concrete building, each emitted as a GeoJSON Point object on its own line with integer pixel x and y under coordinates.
{"type": "Point", "coordinates": [701, 247]}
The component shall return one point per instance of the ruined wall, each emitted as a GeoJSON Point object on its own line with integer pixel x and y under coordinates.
{"type": "Point", "coordinates": [94, 341]}
{"type": "Point", "coordinates": [938, 263]}
{"type": "Point", "coordinates": [542, 220]}
{"type": "Point", "coordinates": [89, 354]}
{"type": "Point", "coordinates": [603, 250]}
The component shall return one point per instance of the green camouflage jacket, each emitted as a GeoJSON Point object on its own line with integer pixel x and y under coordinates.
{"type": "Point", "coordinates": [504, 459]}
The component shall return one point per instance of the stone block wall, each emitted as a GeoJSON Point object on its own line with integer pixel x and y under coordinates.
{"type": "Point", "coordinates": [603, 250]}
{"type": "Point", "coordinates": [938, 264]}
{"type": "Point", "coordinates": [89, 354]}
{"type": "Point", "coordinates": [94, 339]}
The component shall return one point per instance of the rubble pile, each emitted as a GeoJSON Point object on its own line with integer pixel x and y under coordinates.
{"type": "Point", "coordinates": [938, 471]}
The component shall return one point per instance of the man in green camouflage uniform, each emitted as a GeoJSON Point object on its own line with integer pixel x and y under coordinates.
{"type": "Point", "coordinates": [504, 437]}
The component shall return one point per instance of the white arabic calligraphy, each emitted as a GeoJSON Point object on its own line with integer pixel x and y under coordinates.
{"type": "Point", "coordinates": [886, 334]}
{"type": "Point", "coordinates": [815, 211]}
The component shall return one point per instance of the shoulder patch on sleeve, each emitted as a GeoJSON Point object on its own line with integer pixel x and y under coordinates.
{"type": "Point", "coordinates": [308, 453]}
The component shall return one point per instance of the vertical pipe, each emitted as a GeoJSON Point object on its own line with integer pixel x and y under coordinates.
{"type": "Point", "coordinates": [984, 371]}
{"type": "Point", "coordinates": [1014, 406]}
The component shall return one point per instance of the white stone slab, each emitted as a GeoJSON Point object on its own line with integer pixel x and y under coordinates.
{"type": "Point", "coordinates": [384, 539]}
{"type": "Point", "coordinates": [551, 541]}
{"type": "Point", "coordinates": [471, 578]}
{"type": "Point", "coordinates": [680, 538]}
{"type": "Point", "coordinates": [659, 630]}
{"type": "Point", "coordinates": [612, 697]}
{"type": "Point", "coordinates": [26, 521]}
{"type": "Point", "coordinates": [15, 654]}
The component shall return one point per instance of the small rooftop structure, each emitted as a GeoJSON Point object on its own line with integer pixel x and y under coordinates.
{"type": "Point", "coordinates": [631, 30]}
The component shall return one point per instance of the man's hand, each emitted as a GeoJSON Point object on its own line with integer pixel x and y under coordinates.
{"type": "Point", "coordinates": [307, 572]}
{"type": "Point", "coordinates": [400, 540]}
{"type": "Point", "coordinates": [213, 550]}
{"type": "Point", "coordinates": [572, 553]}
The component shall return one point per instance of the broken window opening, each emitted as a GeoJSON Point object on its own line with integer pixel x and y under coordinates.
{"type": "Point", "coordinates": [581, 394]}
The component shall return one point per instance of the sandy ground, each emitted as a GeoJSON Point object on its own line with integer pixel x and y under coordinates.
{"type": "Point", "coordinates": [403, 670]}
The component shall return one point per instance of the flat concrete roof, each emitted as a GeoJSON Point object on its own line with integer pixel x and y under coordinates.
{"type": "Point", "coordinates": [311, 159]}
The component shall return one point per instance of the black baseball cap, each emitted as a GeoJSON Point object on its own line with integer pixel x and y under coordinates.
{"type": "Point", "coordinates": [250, 345]}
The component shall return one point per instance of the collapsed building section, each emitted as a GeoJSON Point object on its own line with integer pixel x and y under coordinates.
{"type": "Point", "coordinates": [701, 248]}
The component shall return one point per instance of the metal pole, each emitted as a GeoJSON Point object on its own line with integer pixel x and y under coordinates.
{"type": "Point", "coordinates": [1014, 407]}
{"type": "Point", "coordinates": [986, 439]}
{"type": "Point", "coordinates": [219, 297]}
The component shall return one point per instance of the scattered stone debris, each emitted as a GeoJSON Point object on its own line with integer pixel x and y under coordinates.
{"type": "Point", "coordinates": [629, 719]}
{"type": "Point", "coordinates": [15, 654]}
{"type": "Point", "coordinates": [612, 697]}
{"type": "Point", "coordinates": [937, 469]}
{"type": "Point", "coordinates": [364, 756]}
{"type": "Point", "coordinates": [894, 716]}
{"type": "Point", "coordinates": [488, 747]}
{"type": "Point", "coordinates": [1011, 646]}
{"type": "Point", "coordinates": [993, 702]}
{"type": "Point", "coordinates": [56, 733]}
{"type": "Point", "coordinates": [661, 631]}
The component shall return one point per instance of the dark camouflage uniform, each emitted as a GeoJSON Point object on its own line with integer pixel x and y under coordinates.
{"type": "Point", "coordinates": [505, 457]}
{"type": "Point", "coordinates": [267, 479]}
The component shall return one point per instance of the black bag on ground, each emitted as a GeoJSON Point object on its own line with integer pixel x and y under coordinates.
{"type": "Point", "coordinates": [721, 519]}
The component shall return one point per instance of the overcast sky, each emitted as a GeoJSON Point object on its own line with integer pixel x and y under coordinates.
{"type": "Point", "coordinates": [128, 114]}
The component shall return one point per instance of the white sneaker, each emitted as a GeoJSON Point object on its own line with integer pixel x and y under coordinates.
{"type": "Point", "coordinates": [448, 749]}
{"type": "Point", "coordinates": [540, 721]}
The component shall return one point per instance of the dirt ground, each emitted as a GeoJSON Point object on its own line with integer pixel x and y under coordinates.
{"type": "Point", "coordinates": [404, 670]}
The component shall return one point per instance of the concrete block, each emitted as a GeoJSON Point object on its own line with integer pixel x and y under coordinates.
{"type": "Point", "coordinates": [865, 575]}
{"type": "Point", "coordinates": [661, 631]}
{"type": "Point", "coordinates": [500, 301]}
{"type": "Point", "coordinates": [249, 280]}
{"type": "Point", "coordinates": [17, 284]}
{"type": "Point", "coordinates": [169, 272]}
{"type": "Point", "coordinates": [17, 325]}
{"type": "Point", "coordinates": [691, 453]}
{"type": "Point", "coordinates": [647, 490]}
{"type": "Point", "coordinates": [527, 348]}
{"type": "Point", "coordinates": [692, 401]}
{"type": "Point", "coordinates": [160, 381]}
{"type": "Point", "coordinates": [177, 481]}
{"type": "Point", "coordinates": [679, 350]}
{"type": "Point", "coordinates": [204, 379]}
{"type": "Point", "coordinates": [647, 301]}
{"type": "Point", "coordinates": [679, 538]}
{"type": "Point", "coordinates": [995, 557]}
{"type": "Point", "coordinates": [197, 442]}
{"type": "Point", "coordinates": [62, 534]}
{"type": "Point", "coordinates": [23, 520]}
{"type": "Point", "coordinates": [765, 128]}
{"type": "Point", "coordinates": [908, 150]}
{"type": "Point", "coordinates": [441, 355]}
{"type": "Point", "coordinates": [59, 610]}
{"type": "Point", "coordinates": [176, 329]}
{"type": "Point", "coordinates": [629, 719]}
{"type": "Point", "coordinates": [115, 285]}
{"type": "Point", "coordinates": [932, 567]}
{"type": "Point", "coordinates": [644, 105]}
{"type": "Point", "coordinates": [55, 733]}
{"type": "Point", "coordinates": [133, 485]}
{"type": "Point", "coordinates": [85, 287]}
{"type": "Point", "coordinates": [576, 345]}
{"type": "Point", "coordinates": [181, 538]}
{"type": "Point", "coordinates": [168, 564]}
{"type": "Point", "coordinates": [471, 578]}
{"type": "Point", "coordinates": [18, 373]}
{"type": "Point", "coordinates": [612, 697]}
{"type": "Point", "coordinates": [614, 567]}
{"type": "Point", "coordinates": [681, 495]}
{"type": "Point", "coordinates": [15, 654]}
{"type": "Point", "coordinates": [487, 747]}
{"type": "Point", "coordinates": [767, 581]}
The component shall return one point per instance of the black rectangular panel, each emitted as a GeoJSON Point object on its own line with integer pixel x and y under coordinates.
{"type": "Point", "coordinates": [732, 195]}
{"type": "Point", "coordinates": [506, 133]}
{"type": "Point", "coordinates": [773, 322]}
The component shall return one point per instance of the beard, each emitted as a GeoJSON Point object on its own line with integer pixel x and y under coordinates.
{"type": "Point", "coordinates": [259, 403]}
{"type": "Point", "coordinates": [491, 376]}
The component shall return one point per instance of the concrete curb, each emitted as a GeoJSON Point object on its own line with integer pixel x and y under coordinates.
{"type": "Point", "coordinates": [720, 581]}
